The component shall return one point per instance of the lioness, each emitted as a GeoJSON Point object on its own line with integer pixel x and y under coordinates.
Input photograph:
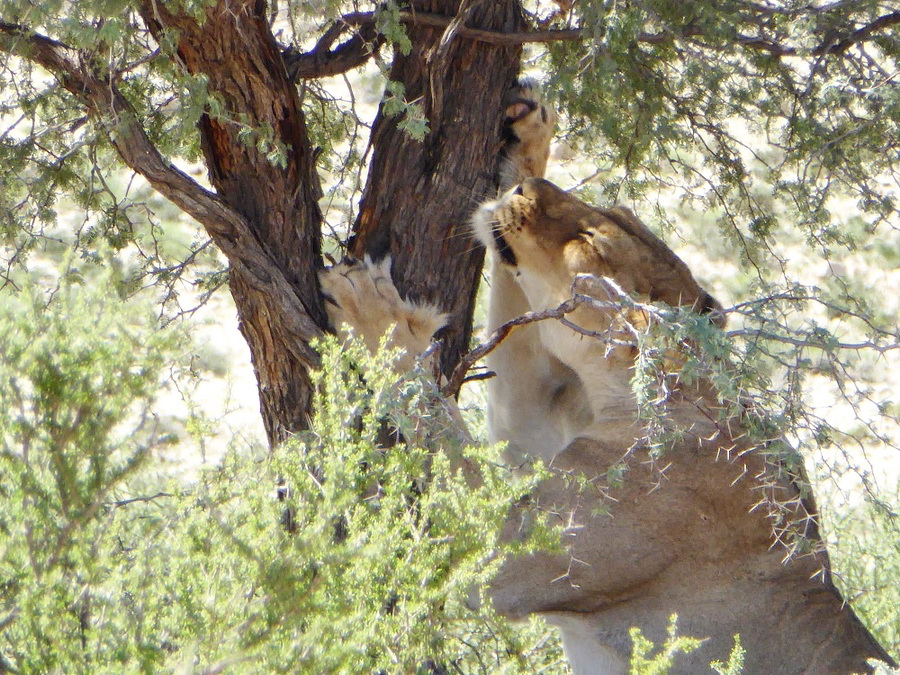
{"type": "Point", "coordinates": [695, 539]}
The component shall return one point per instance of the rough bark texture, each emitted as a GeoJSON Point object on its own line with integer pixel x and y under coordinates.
{"type": "Point", "coordinates": [265, 217]}
{"type": "Point", "coordinates": [235, 49]}
{"type": "Point", "coordinates": [415, 206]}
{"type": "Point", "coordinates": [420, 195]}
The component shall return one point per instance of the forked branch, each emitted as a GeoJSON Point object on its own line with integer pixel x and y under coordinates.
{"type": "Point", "coordinates": [619, 300]}
{"type": "Point", "coordinates": [324, 61]}
{"type": "Point", "coordinates": [119, 120]}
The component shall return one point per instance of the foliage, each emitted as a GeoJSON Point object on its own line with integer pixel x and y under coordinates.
{"type": "Point", "coordinates": [758, 134]}
{"type": "Point", "coordinates": [644, 662]}
{"type": "Point", "coordinates": [80, 371]}
{"type": "Point", "coordinates": [735, 663]}
{"type": "Point", "coordinates": [676, 91]}
{"type": "Point", "coordinates": [765, 133]}
{"type": "Point", "coordinates": [105, 570]}
{"type": "Point", "coordinates": [659, 92]}
{"type": "Point", "coordinates": [867, 553]}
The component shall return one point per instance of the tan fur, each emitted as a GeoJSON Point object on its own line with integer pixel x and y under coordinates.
{"type": "Point", "coordinates": [694, 539]}
{"type": "Point", "coordinates": [555, 237]}
{"type": "Point", "coordinates": [360, 298]}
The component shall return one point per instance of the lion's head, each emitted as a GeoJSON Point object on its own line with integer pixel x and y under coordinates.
{"type": "Point", "coordinates": [550, 237]}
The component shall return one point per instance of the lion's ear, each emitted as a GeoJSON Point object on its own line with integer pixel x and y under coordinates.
{"type": "Point", "coordinates": [707, 304]}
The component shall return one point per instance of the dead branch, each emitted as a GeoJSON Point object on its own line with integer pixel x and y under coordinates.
{"type": "Point", "coordinates": [451, 388]}
{"type": "Point", "coordinates": [619, 300]}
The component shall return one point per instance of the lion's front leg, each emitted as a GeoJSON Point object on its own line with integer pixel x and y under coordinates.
{"type": "Point", "coordinates": [360, 296]}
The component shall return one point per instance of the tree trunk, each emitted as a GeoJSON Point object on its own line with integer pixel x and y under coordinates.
{"type": "Point", "coordinates": [235, 49]}
{"type": "Point", "coordinates": [415, 206]}
{"type": "Point", "coordinates": [420, 195]}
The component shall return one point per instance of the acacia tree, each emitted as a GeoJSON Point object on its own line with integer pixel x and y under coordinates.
{"type": "Point", "coordinates": [772, 119]}
{"type": "Point", "coordinates": [661, 91]}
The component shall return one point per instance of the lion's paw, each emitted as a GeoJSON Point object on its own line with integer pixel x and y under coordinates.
{"type": "Point", "coordinates": [529, 123]}
{"type": "Point", "coordinates": [361, 297]}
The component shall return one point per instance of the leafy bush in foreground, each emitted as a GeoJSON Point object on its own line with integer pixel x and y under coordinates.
{"type": "Point", "coordinates": [359, 546]}
{"type": "Point", "coordinates": [103, 571]}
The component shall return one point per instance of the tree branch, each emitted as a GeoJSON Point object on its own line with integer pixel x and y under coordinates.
{"type": "Point", "coordinates": [323, 61]}
{"type": "Point", "coordinates": [118, 118]}
{"type": "Point", "coordinates": [810, 341]}
{"type": "Point", "coordinates": [451, 388]}
{"type": "Point", "coordinates": [574, 34]}
{"type": "Point", "coordinates": [619, 300]}
{"type": "Point", "coordinates": [477, 34]}
{"type": "Point", "coordinates": [863, 33]}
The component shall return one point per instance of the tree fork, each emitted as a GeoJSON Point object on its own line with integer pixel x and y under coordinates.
{"type": "Point", "coordinates": [420, 194]}
{"type": "Point", "coordinates": [265, 217]}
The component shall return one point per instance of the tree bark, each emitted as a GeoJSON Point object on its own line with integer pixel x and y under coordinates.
{"type": "Point", "coordinates": [415, 206]}
{"type": "Point", "coordinates": [420, 195]}
{"type": "Point", "coordinates": [235, 50]}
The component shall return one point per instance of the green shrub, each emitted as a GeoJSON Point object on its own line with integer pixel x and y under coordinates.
{"type": "Point", "coordinates": [867, 557]}
{"type": "Point", "coordinates": [645, 662]}
{"type": "Point", "coordinates": [104, 570]}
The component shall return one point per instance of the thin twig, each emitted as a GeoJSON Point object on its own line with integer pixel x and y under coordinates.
{"type": "Point", "coordinates": [126, 502]}
{"type": "Point", "coordinates": [812, 342]}
{"type": "Point", "coordinates": [623, 300]}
